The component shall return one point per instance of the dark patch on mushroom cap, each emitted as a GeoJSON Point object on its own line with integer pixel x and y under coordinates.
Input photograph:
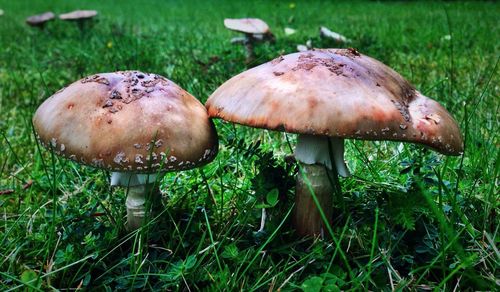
{"type": "Point", "coordinates": [337, 93]}
{"type": "Point", "coordinates": [157, 122]}
{"type": "Point", "coordinates": [277, 60]}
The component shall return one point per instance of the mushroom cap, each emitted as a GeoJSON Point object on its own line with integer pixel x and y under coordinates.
{"type": "Point", "coordinates": [302, 48]}
{"type": "Point", "coordinates": [37, 20]}
{"type": "Point", "coordinates": [336, 93]}
{"type": "Point", "coordinates": [127, 121]}
{"type": "Point", "coordinates": [1, 12]}
{"type": "Point", "coordinates": [247, 25]}
{"type": "Point", "coordinates": [78, 14]}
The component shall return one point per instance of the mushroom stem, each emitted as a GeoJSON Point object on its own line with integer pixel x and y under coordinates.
{"type": "Point", "coordinates": [262, 220]}
{"type": "Point", "coordinates": [318, 182]}
{"type": "Point", "coordinates": [136, 206]}
{"type": "Point", "coordinates": [138, 203]}
{"type": "Point", "coordinates": [81, 23]}
{"type": "Point", "coordinates": [138, 188]}
{"type": "Point", "coordinates": [313, 185]}
{"type": "Point", "coordinates": [249, 40]}
{"type": "Point", "coordinates": [312, 149]}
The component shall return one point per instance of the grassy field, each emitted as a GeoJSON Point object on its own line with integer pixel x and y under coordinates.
{"type": "Point", "coordinates": [412, 219]}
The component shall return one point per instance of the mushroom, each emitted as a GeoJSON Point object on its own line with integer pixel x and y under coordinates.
{"type": "Point", "coordinates": [326, 96]}
{"type": "Point", "coordinates": [255, 29]}
{"type": "Point", "coordinates": [40, 20]}
{"type": "Point", "coordinates": [1, 12]}
{"type": "Point", "coordinates": [289, 31]}
{"type": "Point", "coordinates": [135, 124]}
{"type": "Point", "coordinates": [324, 32]}
{"type": "Point", "coordinates": [80, 16]}
{"type": "Point", "coordinates": [306, 47]}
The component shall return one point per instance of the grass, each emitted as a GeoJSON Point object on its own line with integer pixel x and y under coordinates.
{"type": "Point", "coordinates": [414, 219]}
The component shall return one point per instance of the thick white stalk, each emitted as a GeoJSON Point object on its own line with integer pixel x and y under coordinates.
{"type": "Point", "coordinates": [136, 206]}
{"type": "Point", "coordinates": [137, 188]}
{"type": "Point", "coordinates": [313, 149]}
{"type": "Point", "coordinates": [307, 218]}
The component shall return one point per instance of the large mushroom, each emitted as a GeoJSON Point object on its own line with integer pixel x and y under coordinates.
{"type": "Point", "coordinates": [135, 124]}
{"type": "Point", "coordinates": [40, 20]}
{"type": "Point", "coordinates": [326, 96]}
{"type": "Point", "coordinates": [254, 30]}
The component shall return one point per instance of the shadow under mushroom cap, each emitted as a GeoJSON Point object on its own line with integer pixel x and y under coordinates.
{"type": "Point", "coordinates": [336, 93]}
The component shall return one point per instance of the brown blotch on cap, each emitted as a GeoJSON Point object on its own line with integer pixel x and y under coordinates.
{"type": "Point", "coordinates": [155, 124]}
{"type": "Point", "coordinates": [336, 93]}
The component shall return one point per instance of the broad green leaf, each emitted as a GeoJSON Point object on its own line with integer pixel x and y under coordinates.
{"type": "Point", "coordinates": [313, 284]}
{"type": "Point", "coordinates": [29, 277]}
{"type": "Point", "coordinates": [272, 197]}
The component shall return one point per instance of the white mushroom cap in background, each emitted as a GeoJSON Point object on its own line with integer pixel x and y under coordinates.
{"type": "Point", "coordinates": [78, 15]}
{"type": "Point", "coordinates": [127, 122]}
{"type": "Point", "coordinates": [40, 19]}
{"type": "Point", "coordinates": [302, 48]}
{"type": "Point", "coordinates": [335, 93]}
{"type": "Point", "coordinates": [306, 47]}
{"type": "Point", "coordinates": [1, 12]}
{"type": "Point", "coordinates": [247, 25]}
{"type": "Point", "coordinates": [327, 33]}
{"type": "Point", "coordinates": [289, 31]}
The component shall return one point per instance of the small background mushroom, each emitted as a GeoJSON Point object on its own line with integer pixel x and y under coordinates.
{"type": "Point", "coordinates": [254, 30]}
{"type": "Point", "coordinates": [306, 47]}
{"type": "Point", "coordinates": [289, 31]}
{"type": "Point", "coordinates": [81, 17]}
{"type": "Point", "coordinates": [40, 20]}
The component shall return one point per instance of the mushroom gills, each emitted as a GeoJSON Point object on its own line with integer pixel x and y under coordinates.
{"type": "Point", "coordinates": [313, 149]}
{"type": "Point", "coordinates": [128, 179]}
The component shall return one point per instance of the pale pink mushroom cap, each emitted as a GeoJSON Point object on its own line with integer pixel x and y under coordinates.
{"type": "Point", "coordinates": [247, 25]}
{"type": "Point", "coordinates": [78, 15]}
{"type": "Point", "coordinates": [336, 93]}
{"type": "Point", "coordinates": [40, 19]}
{"type": "Point", "coordinates": [127, 121]}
